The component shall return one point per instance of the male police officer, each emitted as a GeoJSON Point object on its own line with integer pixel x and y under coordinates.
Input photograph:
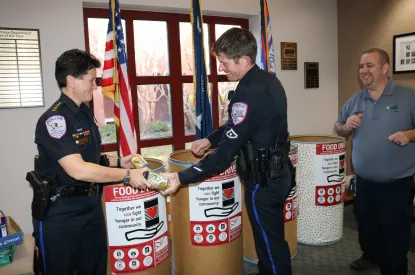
{"type": "Point", "coordinates": [381, 119]}
{"type": "Point", "coordinates": [257, 132]}
{"type": "Point", "coordinates": [71, 236]}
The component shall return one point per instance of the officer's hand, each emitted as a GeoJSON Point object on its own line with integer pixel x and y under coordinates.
{"type": "Point", "coordinates": [173, 185]}
{"type": "Point", "coordinates": [399, 138]}
{"type": "Point", "coordinates": [126, 162]}
{"type": "Point", "coordinates": [200, 146]}
{"type": "Point", "coordinates": [137, 179]}
{"type": "Point", "coordinates": [354, 121]}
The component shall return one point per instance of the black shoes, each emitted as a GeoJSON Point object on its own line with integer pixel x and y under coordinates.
{"type": "Point", "coordinates": [362, 264]}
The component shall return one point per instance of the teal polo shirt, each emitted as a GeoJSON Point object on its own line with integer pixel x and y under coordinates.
{"type": "Point", "coordinates": [374, 157]}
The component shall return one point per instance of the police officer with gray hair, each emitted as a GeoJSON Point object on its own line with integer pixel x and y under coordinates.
{"type": "Point", "coordinates": [257, 132]}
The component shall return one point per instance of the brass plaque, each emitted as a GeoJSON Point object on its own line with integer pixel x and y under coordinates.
{"type": "Point", "coordinates": [288, 56]}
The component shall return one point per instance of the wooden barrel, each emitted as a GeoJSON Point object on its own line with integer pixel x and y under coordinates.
{"type": "Point", "coordinates": [206, 219]}
{"type": "Point", "coordinates": [290, 221]}
{"type": "Point", "coordinates": [128, 253]}
{"type": "Point", "coordinates": [321, 188]}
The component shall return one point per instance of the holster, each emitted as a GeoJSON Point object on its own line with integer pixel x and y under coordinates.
{"type": "Point", "coordinates": [42, 192]}
{"type": "Point", "coordinates": [242, 166]}
{"type": "Point", "coordinates": [262, 163]}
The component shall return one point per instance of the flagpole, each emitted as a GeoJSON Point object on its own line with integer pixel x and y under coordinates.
{"type": "Point", "coordinates": [115, 77]}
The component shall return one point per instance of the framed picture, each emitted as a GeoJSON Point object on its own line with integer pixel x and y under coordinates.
{"type": "Point", "coordinates": [404, 53]}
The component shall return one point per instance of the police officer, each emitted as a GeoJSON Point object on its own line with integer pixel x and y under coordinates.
{"type": "Point", "coordinates": [257, 132]}
{"type": "Point", "coordinates": [71, 236]}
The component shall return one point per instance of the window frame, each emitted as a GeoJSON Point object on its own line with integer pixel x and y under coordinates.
{"type": "Point", "coordinates": [175, 79]}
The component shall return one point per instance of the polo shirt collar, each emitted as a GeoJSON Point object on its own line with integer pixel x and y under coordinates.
{"type": "Point", "coordinates": [387, 91]}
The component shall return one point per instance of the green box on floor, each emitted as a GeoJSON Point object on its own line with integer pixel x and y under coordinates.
{"type": "Point", "coordinates": [9, 242]}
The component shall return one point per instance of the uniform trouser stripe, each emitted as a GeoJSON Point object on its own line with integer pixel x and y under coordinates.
{"type": "Point", "coordinates": [42, 247]}
{"type": "Point", "coordinates": [274, 270]}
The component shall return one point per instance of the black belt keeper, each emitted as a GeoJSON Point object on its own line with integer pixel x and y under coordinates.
{"type": "Point", "coordinates": [71, 191]}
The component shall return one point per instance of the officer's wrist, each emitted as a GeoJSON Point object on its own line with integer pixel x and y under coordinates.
{"type": "Point", "coordinates": [127, 177]}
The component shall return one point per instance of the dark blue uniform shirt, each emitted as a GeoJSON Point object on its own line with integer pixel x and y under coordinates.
{"type": "Point", "coordinates": [257, 113]}
{"type": "Point", "coordinates": [65, 129]}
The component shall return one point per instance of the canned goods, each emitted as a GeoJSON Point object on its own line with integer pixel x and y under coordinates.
{"type": "Point", "coordinates": [157, 182]}
{"type": "Point", "coordinates": [139, 162]}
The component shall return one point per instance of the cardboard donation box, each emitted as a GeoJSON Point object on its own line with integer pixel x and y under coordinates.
{"type": "Point", "coordinates": [10, 236]}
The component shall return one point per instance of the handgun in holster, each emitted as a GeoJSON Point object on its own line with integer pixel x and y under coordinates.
{"type": "Point", "coordinates": [242, 165]}
{"type": "Point", "coordinates": [262, 166]}
{"type": "Point", "coordinates": [252, 162]}
{"type": "Point", "coordinates": [42, 193]}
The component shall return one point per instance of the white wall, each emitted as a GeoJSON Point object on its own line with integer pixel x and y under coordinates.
{"type": "Point", "coordinates": [312, 25]}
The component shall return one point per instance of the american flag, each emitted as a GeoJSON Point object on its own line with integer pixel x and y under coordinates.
{"type": "Point", "coordinates": [267, 50]}
{"type": "Point", "coordinates": [116, 83]}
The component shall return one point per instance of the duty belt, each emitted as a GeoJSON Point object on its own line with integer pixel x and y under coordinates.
{"type": "Point", "coordinates": [260, 164]}
{"type": "Point", "coordinates": [70, 191]}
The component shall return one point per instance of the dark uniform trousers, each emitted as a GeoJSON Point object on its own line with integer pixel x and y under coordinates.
{"type": "Point", "coordinates": [265, 211]}
{"type": "Point", "coordinates": [74, 237]}
{"type": "Point", "coordinates": [384, 214]}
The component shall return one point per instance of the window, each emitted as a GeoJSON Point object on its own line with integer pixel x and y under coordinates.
{"type": "Point", "coordinates": [160, 67]}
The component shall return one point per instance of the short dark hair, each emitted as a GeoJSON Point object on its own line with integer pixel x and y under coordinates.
{"type": "Point", "coordinates": [384, 56]}
{"type": "Point", "coordinates": [75, 63]}
{"type": "Point", "coordinates": [235, 43]}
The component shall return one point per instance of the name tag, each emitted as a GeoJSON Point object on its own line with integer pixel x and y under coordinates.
{"type": "Point", "coordinates": [81, 137]}
{"type": "Point", "coordinates": [82, 141]}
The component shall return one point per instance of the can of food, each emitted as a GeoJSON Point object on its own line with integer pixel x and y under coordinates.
{"type": "Point", "coordinates": [157, 182]}
{"type": "Point", "coordinates": [139, 162]}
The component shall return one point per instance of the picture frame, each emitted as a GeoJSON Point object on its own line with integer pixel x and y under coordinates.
{"type": "Point", "coordinates": [404, 53]}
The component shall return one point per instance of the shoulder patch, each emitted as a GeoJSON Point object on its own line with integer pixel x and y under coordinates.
{"type": "Point", "coordinates": [56, 126]}
{"type": "Point", "coordinates": [239, 111]}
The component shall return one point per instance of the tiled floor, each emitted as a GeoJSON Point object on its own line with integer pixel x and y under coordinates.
{"type": "Point", "coordinates": [334, 259]}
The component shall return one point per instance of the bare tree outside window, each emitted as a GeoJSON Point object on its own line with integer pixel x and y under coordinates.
{"type": "Point", "coordinates": [156, 78]}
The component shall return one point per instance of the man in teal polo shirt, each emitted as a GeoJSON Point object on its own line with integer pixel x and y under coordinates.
{"type": "Point", "coordinates": [381, 120]}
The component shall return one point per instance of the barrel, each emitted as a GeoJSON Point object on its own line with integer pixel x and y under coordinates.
{"type": "Point", "coordinates": [207, 222]}
{"type": "Point", "coordinates": [137, 229]}
{"type": "Point", "coordinates": [290, 221]}
{"type": "Point", "coordinates": [156, 165]}
{"type": "Point", "coordinates": [321, 188]}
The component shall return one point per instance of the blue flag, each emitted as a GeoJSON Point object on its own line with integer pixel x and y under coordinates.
{"type": "Point", "coordinates": [203, 110]}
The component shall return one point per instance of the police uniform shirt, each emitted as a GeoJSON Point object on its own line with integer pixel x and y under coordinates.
{"type": "Point", "coordinates": [65, 129]}
{"type": "Point", "coordinates": [257, 113]}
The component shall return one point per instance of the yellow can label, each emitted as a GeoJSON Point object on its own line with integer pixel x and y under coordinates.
{"type": "Point", "coordinates": [157, 182]}
{"type": "Point", "coordinates": [139, 162]}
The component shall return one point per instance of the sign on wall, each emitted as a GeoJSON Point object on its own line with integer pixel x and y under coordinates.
{"type": "Point", "coordinates": [20, 68]}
